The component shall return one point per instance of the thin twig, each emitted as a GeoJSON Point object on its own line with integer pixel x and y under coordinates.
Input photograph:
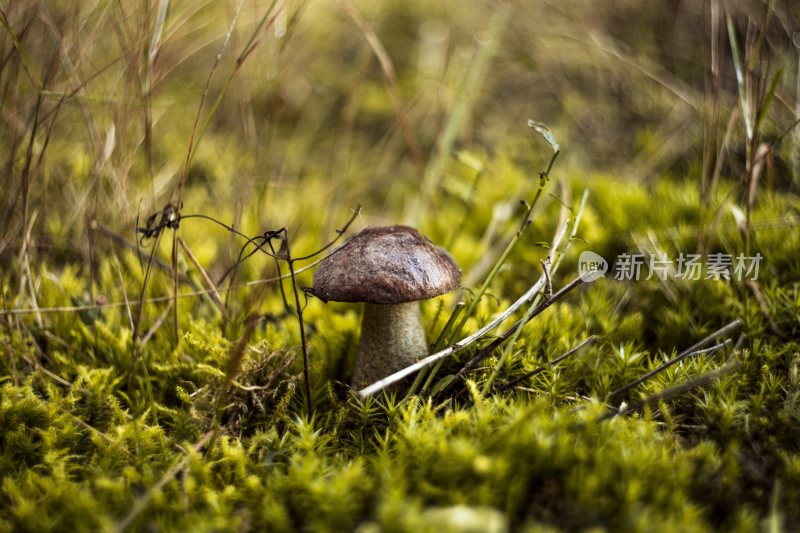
{"type": "Point", "coordinates": [94, 225]}
{"type": "Point", "coordinates": [136, 345]}
{"type": "Point", "coordinates": [339, 234]}
{"type": "Point", "coordinates": [458, 346]}
{"type": "Point", "coordinates": [499, 341]}
{"type": "Point", "coordinates": [214, 293]}
{"type": "Point", "coordinates": [192, 294]}
{"type": "Point", "coordinates": [303, 342]}
{"type": "Point", "coordinates": [454, 328]}
{"type": "Point", "coordinates": [122, 285]}
{"type": "Point", "coordinates": [529, 295]}
{"type": "Point", "coordinates": [680, 357]}
{"type": "Point", "coordinates": [550, 364]}
{"type": "Point", "coordinates": [681, 388]}
{"type": "Point", "coordinates": [157, 324]}
{"type": "Point", "coordinates": [554, 259]}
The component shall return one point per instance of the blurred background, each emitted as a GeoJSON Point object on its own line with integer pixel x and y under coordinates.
{"type": "Point", "coordinates": [292, 113]}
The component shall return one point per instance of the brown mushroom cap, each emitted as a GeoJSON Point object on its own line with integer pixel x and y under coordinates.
{"type": "Point", "coordinates": [390, 265]}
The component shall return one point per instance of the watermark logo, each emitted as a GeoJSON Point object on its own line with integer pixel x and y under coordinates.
{"type": "Point", "coordinates": [591, 266]}
{"type": "Point", "coordinates": [687, 266]}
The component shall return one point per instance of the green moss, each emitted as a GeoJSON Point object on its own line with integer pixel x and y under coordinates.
{"type": "Point", "coordinates": [78, 451]}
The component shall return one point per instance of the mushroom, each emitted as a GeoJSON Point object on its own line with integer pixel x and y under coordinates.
{"type": "Point", "coordinates": [389, 269]}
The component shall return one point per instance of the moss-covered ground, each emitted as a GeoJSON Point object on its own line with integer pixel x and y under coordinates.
{"type": "Point", "coordinates": [190, 413]}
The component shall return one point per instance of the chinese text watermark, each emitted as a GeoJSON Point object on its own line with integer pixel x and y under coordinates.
{"type": "Point", "coordinates": [635, 267]}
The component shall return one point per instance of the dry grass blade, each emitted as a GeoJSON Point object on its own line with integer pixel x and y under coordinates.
{"type": "Point", "coordinates": [699, 381]}
{"type": "Point", "coordinates": [654, 72]}
{"type": "Point", "coordinates": [25, 262]}
{"type": "Point", "coordinates": [157, 324]}
{"type": "Point", "coordinates": [36, 78]}
{"type": "Point", "coordinates": [764, 306]}
{"type": "Point", "coordinates": [465, 100]}
{"type": "Point", "coordinates": [212, 288]}
{"type": "Point", "coordinates": [118, 269]}
{"type": "Point", "coordinates": [237, 353]}
{"type": "Point", "coordinates": [192, 140]}
{"type": "Point", "coordinates": [550, 363]}
{"type": "Point", "coordinates": [506, 335]}
{"type": "Point", "coordinates": [390, 78]}
{"type": "Point", "coordinates": [724, 330]}
{"type": "Point", "coordinates": [12, 356]}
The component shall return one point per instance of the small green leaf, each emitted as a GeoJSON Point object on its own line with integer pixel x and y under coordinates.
{"type": "Point", "coordinates": [737, 66]}
{"type": "Point", "coordinates": [442, 384]}
{"type": "Point", "coordinates": [773, 86]}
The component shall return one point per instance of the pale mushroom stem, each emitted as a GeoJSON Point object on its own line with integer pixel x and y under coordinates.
{"type": "Point", "coordinates": [392, 338]}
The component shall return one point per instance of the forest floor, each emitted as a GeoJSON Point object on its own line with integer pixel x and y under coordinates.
{"type": "Point", "coordinates": [145, 384]}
